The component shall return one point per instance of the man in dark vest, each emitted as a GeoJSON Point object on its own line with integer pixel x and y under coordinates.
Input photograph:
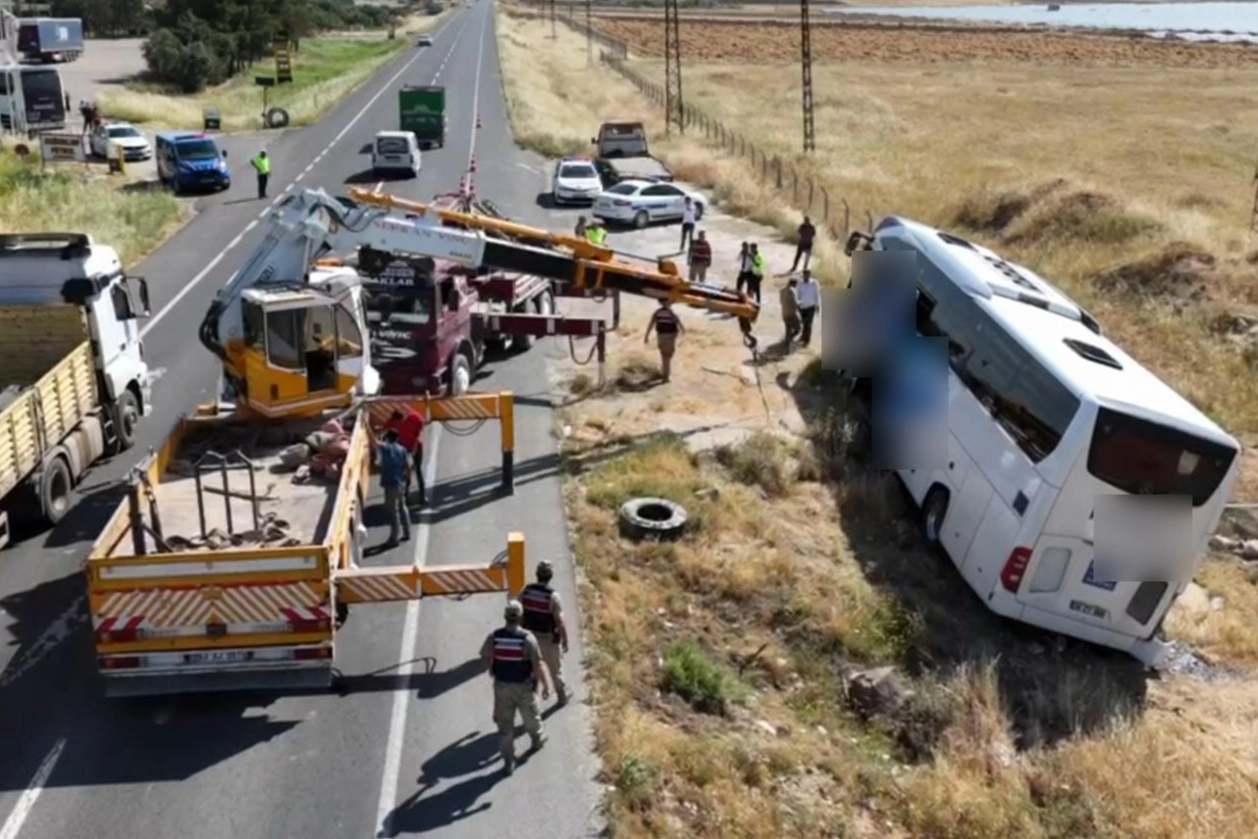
{"type": "Point", "coordinates": [516, 666]}
{"type": "Point", "coordinates": [543, 616]}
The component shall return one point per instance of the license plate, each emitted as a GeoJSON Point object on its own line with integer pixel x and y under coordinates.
{"type": "Point", "coordinates": [219, 657]}
{"type": "Point", "coordinates": [1088, 609]}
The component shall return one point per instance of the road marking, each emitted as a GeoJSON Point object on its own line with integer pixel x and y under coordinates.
{"type": "Point", "coordinates": [263, 212]}
{"type": "Point", "coordinates": [251, 225]}
{"type": "Point", "coordinates": [234, 242]}
{"type": "Point", "coordinates": [24, 804]}
{"type": "Point", "coordinates": [480, 54]}
{"type": "Point", "coordinates": [65, 626]}
{"type": "Point", "coordinates": [529, 168]}
{"type": "Point", "coordinates": [300, 175]}
{"type": "Point", "coordinates": [410, 639]}
{"type": "Point", "coordinates": [157, 318]}
{"type": "Point", "coordinates": [379, 186]}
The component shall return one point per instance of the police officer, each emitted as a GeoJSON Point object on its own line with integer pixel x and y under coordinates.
{"type": "Point", "coordinates": [516, 665]}
{"type": "Point", "coordinates": [262, 165]}
{"type": "Point", "coordinates": [543, 616]}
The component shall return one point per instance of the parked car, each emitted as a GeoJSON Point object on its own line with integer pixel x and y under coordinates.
{"type": "Point", "coordinates": [642, 202]}
{"type": "Point", "coordinates": [576, 182]}
{"type": "Point", "coordinates": [135, 146]}
{"type": "Point", "coordinates": [423, 41]}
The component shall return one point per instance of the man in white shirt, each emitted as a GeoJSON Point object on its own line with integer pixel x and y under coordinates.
{"type": "Point", "coordinates": [687, 222]}
{"type": "Point", "coordinates": [809, 296]}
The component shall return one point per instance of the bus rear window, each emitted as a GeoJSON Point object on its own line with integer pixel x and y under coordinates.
{"type": "Point", "coordinates": [1144, 458]}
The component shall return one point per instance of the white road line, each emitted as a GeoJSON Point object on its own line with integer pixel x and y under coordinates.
{"type": "Point", "coordinates": [300, 175]}
{"type": "Point", "coordinates": [528, 168]}
{"type": "Point", "coordinates": [480, 54]}
{"type": "Point", "coordinates": [22, 809]}
{"type": "Point", "coordinates": [379, 187]}
{"type": "Point", "coordinates": [234, 242]}
{"type": "Point", "coordinates": [410, 639]}
{"type": "Point", "coordinates": [251, 225]}
{"type": "Point", "coordinates": [157, 318]}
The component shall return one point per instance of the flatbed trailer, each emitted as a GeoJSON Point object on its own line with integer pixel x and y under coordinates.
{"type": "Point", "coordinates": [227, 567]}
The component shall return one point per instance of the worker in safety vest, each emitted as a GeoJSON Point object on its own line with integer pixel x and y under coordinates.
{"type": "Point", "coordinates": [543, 616]}
{"type": "Point", "coordinates": [757, 272]}
{"type": "Point", "coordinates": [596, 232]}
{"type": "Point", "coordinates": [262, 165]}
{"type": "Point", "coordinates": [667, 326]}
{"type": "Point", "coordinates": [515, 662]}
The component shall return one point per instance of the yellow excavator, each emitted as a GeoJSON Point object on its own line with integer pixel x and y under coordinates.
{"type": "Point", "coordinates": [291, 327]}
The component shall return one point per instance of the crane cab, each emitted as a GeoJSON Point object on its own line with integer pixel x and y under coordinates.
{"type": "Point", "coordinates": [304, 348]}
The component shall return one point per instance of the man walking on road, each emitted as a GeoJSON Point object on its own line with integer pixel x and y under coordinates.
{"type": "Point", "coordinates": [808, 293]}
{"type": "Point", "coordinates": [410, 434]}
{"type": "Point", "coordinates": [790, 313]}
{"type": "Point", "coordinates": [744, 267]}
{"type": "Point", "coordinates": [807, 233]}
{"type": "Point", "coordinates": [700, 258]}
{"type": "Point", "coordinates": [667, 326]}
{"type": "Point", "coordinates": [515, 662]}
{"type": "Point", "coordinates": [543, 616]}
{"type": "Point", "coordinates": [687, 222]}
{"type": "Point", "coordinates": [262, 165]}
{"type": "Point", "coordinates": [395, 476]}
{"type": "Point", "coordinates": [756, 277]}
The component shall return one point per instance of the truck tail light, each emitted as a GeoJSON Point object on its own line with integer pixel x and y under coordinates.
{"type": "Point", "coordinates": [1015, 568]}
{"type": "Point", "coordinates": [118, 636]}
{"type": "Point", "coordinates": [120, 662]}
{"type": "Point", "coordinates": [320, 625]}
{"type": "Point", "coordinates": [310, 653]}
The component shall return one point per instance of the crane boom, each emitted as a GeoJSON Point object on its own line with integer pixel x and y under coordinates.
{"type": "Point", "coordinates": [285, 278]}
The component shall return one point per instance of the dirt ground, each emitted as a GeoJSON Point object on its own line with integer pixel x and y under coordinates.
{"type": "Point", "coordinates": [770, 41]}
{"type": "Point", "coordinates": [715, 396]}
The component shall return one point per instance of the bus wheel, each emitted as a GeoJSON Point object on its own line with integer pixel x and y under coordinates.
{"type": "Point", "coordinates": [933, 513]}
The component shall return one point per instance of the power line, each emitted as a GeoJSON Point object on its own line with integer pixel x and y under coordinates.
{"type": "Point", "coordinates": [805, 61]}
{"type": "Point", "coordinates": [674, 110]}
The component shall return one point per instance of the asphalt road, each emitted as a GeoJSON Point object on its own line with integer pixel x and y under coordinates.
{"type": "Point", "coordinates": [408, 746]}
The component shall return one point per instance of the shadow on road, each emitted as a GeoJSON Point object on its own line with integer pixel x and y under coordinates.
{"type": "Point", "coordinates": [421, 812]}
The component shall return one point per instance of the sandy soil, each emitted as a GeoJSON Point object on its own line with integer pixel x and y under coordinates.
{"type": "Point", "coordinates": [714, 396]}
{"type": "Point", "coordinates": [769, 41]}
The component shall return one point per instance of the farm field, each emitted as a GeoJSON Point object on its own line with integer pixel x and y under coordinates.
{"type": "Point", "coordinates": [722, 665]}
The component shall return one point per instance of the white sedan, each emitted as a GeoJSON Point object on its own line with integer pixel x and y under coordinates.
{"type": "Point", "coordinates": [642, 202]}
{"type": "Point", "coordinates": [576, 182]}
{"type": "Point", "coordinates": [135, 146]}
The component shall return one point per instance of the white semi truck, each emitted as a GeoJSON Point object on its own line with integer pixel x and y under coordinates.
{"type": "Point", "coordinates": [73, 380]}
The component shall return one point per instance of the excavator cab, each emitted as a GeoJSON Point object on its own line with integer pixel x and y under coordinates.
{"type": "Point", "coordinates": [303, 350]}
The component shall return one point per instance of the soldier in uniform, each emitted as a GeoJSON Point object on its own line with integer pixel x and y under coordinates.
{"type": "Point", "coordinates": [516, 665]}
{"type": "Point", "coordinates": [543, 616]}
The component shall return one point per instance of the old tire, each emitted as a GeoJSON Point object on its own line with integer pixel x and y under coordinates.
{"type": "Point", "coordinates": [460, 375]}
{"type": "Point", "coordinates": [652, 518]}
{"type": "Point", "coordinates": [934, 510]}
{"type": "Point", "coordinates": [55, 486]}
{"type": "Point", "coordinates": [126, 420]}
{"type": "Point", "coordinates": [640, 219]}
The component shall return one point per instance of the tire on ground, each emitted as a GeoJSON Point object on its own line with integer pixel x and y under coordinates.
{"type": "Point", "coordinates": [652, 518]}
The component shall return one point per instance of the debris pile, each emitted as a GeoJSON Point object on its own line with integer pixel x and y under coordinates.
{"type": "Point", "coordinates": [272, 531]}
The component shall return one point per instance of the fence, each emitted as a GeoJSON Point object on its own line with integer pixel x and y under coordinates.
{"type": "Point", "coordinates": [806, 194]}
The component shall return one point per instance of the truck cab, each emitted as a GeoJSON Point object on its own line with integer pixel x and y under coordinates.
{"type": "Point", "coordinates": [395, 151]}
{"type": "Point", "coordinates": [191, 160]}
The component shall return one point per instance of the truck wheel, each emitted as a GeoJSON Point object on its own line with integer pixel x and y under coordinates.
{"type": "Point", "coordinates": [55, 485]}
{"type": "Point", "coordinates": [543, 305]}
{"type": "Point", "coordinates": [126, 418]}
{"type": "Point", "coordinates": [460, 375]}
{"type": "Point", "coordinates": [640, 220]}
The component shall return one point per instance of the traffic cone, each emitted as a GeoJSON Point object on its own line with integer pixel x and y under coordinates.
{"type": "Point", "coordinates": [473, 168]}
{"type": "Point", "coordinates": [478, 124]}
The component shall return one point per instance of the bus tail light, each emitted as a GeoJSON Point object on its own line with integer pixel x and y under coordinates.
{"type": "Point", "coordinates": [1015, 567]}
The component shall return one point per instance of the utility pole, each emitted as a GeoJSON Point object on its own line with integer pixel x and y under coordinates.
{"type": "Point", "coordinates": [674, 110]}
{"type": "Point", "coordinates": [589, 37]}
{"type": "Point", "coordinates": [805, 61]}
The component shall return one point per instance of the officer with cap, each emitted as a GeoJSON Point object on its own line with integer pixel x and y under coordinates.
{"type": "Point", "coordinates": [543, 616]}
{"type": "Point", "coordinates": [516, 665]}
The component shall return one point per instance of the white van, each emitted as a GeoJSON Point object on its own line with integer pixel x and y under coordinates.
{"type": "Point", "coordinates": [395, 151]}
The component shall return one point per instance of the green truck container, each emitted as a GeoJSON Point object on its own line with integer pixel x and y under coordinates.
{"type": "Point", "coordinates": [423, 113]}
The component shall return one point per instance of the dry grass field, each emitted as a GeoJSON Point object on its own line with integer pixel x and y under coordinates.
{"type": "Point", "coordinates": [719, 663]}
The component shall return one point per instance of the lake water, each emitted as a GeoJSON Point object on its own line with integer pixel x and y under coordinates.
{"type": "Point", "coordinates": [1154, 18]}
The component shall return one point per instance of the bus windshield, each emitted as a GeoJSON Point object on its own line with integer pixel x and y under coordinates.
{"type": "Point", "coordinates": [1144, 458]}
{"type": "Point", "coordinates": [197, 150]}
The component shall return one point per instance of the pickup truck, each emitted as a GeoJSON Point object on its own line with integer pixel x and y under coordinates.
{"type": "Point", "coordinates": [73, 380]}
{"type": "Point", "coordinates": [622, 154]}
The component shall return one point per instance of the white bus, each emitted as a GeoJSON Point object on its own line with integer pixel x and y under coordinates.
{"type": "Point", "coordinates": [31, 99]}
{"type": "Point", "coordinates": [1045, 414]}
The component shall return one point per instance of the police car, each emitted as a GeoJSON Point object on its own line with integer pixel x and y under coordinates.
{"type": "Point", "coordinates": [642, 202]}
{"type": "Point", "coordinates": [576, 181]}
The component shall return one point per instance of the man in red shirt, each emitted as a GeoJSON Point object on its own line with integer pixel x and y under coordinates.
{"type": "Point", "coordinates": [410, 434]}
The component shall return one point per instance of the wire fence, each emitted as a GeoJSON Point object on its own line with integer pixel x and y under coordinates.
{"type": "Point", "coordinates": [812, 198]}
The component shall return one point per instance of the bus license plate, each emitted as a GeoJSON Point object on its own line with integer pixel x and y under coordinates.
{"type": "Point", "coordinates": [219, 657]}
{"type": "Point", "coordinates": [1088, 609]}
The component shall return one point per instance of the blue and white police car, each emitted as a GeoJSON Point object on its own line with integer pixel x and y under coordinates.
{"type": "Point", "coordinates": [642, 202]}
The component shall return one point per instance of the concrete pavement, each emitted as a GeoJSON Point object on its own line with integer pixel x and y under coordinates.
{"type": "Point", "coordinates": [407, 747]}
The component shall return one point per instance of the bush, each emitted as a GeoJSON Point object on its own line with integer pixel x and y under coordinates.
{"type": "Point", "coordinates": [696, 678]}
{"type": "Point", "coordinates": [760, 460]}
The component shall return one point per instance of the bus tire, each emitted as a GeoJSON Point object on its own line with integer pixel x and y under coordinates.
{"type": "Point", "coordinates": [55, 487]}
{"type": "Point", "coordinates": [934, 511]}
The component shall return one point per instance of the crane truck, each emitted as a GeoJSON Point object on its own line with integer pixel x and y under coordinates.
{"type": "Point", "coordinates": [204, 579]}
{"type": "Point", "coordinates": [73, 380]}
